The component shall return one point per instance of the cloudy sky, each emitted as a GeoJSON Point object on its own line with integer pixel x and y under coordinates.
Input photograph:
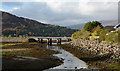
{"type": "Point", "coordinates": [63, 13]}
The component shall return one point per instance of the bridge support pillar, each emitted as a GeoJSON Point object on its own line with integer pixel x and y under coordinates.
{"type": "Point", "coordinates": [68, 40]}
{"type": "Point", "coordinates": [59, 41]}
{"type": "Point", "coordinates": [49, 41]}
{"type": "Point", "coordinates": [40, 40]}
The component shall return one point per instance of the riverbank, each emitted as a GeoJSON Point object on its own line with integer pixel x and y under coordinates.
{"type": "Point", "coordinates": [93, 57]}
{"type": "Point", "coordinates": [28, 56]}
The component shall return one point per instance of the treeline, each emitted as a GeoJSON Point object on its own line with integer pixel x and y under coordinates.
{"type": "Point", "coordinates": [56, 31]}
{"type": "Point", "coordinates": [15, 26]}
{"type": "Point", "coordinates": [94, 30]}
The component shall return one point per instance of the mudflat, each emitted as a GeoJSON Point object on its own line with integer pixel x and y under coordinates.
{"type": "Point", "coordinates": [28, 56]}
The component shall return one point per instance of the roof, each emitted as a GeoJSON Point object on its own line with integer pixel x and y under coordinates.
{"type": "Point", "coordinates": [118, 25]}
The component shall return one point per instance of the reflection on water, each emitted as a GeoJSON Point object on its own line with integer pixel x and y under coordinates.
{"type": "Point", "coordinates": [70, 61]}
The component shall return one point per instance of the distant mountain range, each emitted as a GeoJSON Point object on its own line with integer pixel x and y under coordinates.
{"type": "Point", "coordinates": [14, 25]}
{"type": "Point", "coordinates": [106, 23]}
{"type": "Point", "coordinates": [77, 26]}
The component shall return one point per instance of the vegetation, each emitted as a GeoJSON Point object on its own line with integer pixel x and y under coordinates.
{"type": "Point", "coordinates": [11, 57]}
{"type": "Point", "coordinates": [98, 61]}
{"type": "Point", "coordinates": [92, 38]}
{"type": "Point", "coordinates": [89, 26]}
{"type": "Point", "coordinates": [15, 26]}
{"type": "Point", "coordinates": [102, 34]}
{"type": "Point", "coordinates": [94, 29]}
{"type": "Point", "coordinates": [112, 37]}
{"type": "Point", "coordinates": [83, 34]}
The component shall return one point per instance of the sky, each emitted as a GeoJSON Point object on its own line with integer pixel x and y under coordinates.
{"type": "Point", "coordinates": [63, 13]}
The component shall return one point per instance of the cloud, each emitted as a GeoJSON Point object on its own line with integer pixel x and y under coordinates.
{"type": "Point", "coordinates": [67, 13]}
{"type": "Point", "coordinates": [12, 4]}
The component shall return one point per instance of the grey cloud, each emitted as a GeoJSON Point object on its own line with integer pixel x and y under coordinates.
{"type": "Point", "coordinates": [41, 11]}
{"type": "Point", "coordinates": [12, 4]}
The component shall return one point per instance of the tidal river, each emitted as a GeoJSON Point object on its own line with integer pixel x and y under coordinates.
{"type": "Point", "coordinates": [69, 61]}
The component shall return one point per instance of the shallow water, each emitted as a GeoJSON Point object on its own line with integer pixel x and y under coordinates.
{"type": "Point", "coordinates": [69, 62]}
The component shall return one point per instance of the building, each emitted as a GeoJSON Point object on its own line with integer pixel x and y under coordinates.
{"type": "Point", "coordinates": [117, 27]}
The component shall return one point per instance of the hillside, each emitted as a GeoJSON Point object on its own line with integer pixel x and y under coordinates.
{"type": "Point", "coordinates": [77, 26]}
{"type": "Point", "coordinates": [12, 25]}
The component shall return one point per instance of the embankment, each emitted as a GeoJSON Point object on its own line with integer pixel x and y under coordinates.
{"type": "Point", "coordinates": [14, 39]}
{"type": "Point", "coordinates": [98, 48]}
{"type": "Point", "coordinates": [94, 53]}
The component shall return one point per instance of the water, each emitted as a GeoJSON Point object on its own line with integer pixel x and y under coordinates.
{"type": "Point", "coordinates": [70, 61]}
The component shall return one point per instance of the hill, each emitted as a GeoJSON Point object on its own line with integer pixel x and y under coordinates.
{"type": "Point", "coordinates": [105, 23]}
{"type": "Point", "coordinates": [12, 25]}
{"type": "Point", "coordinates": [77, 26]}
{"type": "Point", "coordinates": [109, 27]}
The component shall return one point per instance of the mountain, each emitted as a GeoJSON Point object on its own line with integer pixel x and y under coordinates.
{"type": "Point", "coordinates": [107, 23]}
{"type": "Point", "coordinates": [109, 27]}
{"type": "Point", "coordinates": [77, 26]}
{"type": "Point", "coordinates": [12, 25]}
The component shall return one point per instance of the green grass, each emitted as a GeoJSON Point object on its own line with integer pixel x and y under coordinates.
{"type": "Point", "coordinates": [115, 66]}
{"type": "Point", "coordinates": [4, 54]}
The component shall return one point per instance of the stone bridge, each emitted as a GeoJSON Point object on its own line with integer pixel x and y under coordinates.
{"type": "Point", "coordinates": [50, 40]}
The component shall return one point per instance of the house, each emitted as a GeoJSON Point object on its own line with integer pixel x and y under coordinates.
{"type": "Point", "coordinates": [117, 27]}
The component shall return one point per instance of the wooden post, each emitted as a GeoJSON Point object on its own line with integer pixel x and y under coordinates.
{"type": "Point", "coordinates": [57, 41]}
{"type": "Point", "coordinates": [38, 39]}
{"type": "Point", "coordinates": [50, 40]}
{"type": "Point", "coordinates": [41, 40]}
{"type": "Point", "coordinates": [68, 39]}
{"type": "Point", "coordinates": [60, 41]}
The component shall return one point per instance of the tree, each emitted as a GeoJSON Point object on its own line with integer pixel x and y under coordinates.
{"type": "Point", "coordinates": [89, 26]}
{"type": "Point", "coordinates": [96, 31]}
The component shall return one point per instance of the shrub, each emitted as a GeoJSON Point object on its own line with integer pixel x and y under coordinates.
{"type": "Point", "coordinates": [9, 36]}
{"type": "Point", "coordinates": [83, 34]}
{"type": "Point", "coordinates": [92, 38]}
{"type": "Point", "coordinates": [112, 37]}
{"type": "Point", "coordinates": [103, 33]}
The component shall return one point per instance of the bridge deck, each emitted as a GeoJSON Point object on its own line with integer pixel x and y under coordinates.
{"type": "Point", "coordinates": [52, 37]}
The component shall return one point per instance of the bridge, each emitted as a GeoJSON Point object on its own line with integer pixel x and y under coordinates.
{"type": "Point", "coordinates": [50, 40]}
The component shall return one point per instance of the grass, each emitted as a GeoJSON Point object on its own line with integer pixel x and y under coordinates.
{"type": "Point", "coordinates": [115, 66]}
{"type": "Point", "coordinates": [20, 45]}
{"type": "Point", "coordinates": [4, 54]}
{"type": "Point", "coordinates": [40, 52]}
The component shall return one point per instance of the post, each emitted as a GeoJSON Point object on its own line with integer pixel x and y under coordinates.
{"type": "Point", "coordinates": [57, 41]}
{"type": "Point", "coordinates": [60, 41]}
{"type": "Point", "coordinates": [68, 39]}
{"type": "Point", "coordinates": [50, 41]}
{"type": "Point", "coordinates": [41, 40]}
{"type": "Point", "coordinates": [38, 39]}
